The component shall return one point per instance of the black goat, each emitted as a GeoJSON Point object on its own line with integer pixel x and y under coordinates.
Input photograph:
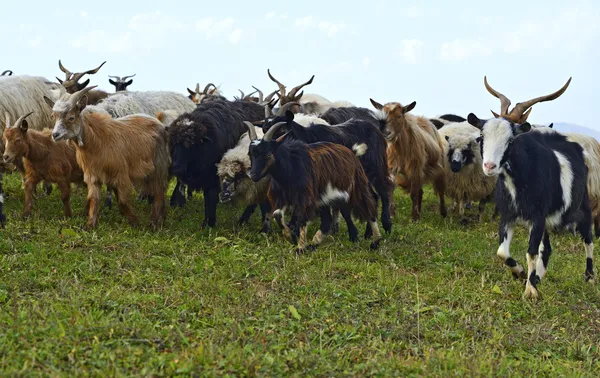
{"type": "Point", "coordinates": [310, 180]}
{"type": "Point", "coordinates": [542, 181]}
{"type": "Point", "coordinates": [198, 141]}
{"type": "Point", "coordinates": [356, 130]}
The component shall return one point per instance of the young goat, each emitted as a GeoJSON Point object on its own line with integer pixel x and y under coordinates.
{"type": "Point", "coordinates": [310, 179]}
{"type": "Point", "coordinates": [106, 156]}
{"type": "Point", "coordinates": [415, 153]}
{"type": "Point", "coordinates": [542, 180]}
{"type": "Point", "coordinates": [237, 186]}
{"type": "Point", "coordinates": [43, 160]}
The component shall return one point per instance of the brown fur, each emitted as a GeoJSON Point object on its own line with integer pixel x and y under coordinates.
{"type": "Point", "coordinates": [415, 154]}
{"type": "Point", "coordinates": [43, 160]}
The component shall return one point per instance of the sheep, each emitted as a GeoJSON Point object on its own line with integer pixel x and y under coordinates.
{"type": "Point", "coordinates": [310, 179]}
{"type": "Point", "coordinates": [198, 140]}
{"type": "Point", "coordinates": [465, 180]}
{"type": "Point", "coordinates": [106, 155]}
{"type": "Point", "coordinates": [43, 160]}
{"type": "Point", "coordinates": [72, 85]}
{"type": "Point", "coordinates": [349, 133]}
{"type": "Point", "coordinates": [542, 181]}
{"type": "Point", "coordinates": [120, 83]}
{"type": "Point", "coordinates": [125, 103]}
{"type": "Point", "coordinates": [6, 73]}
{"type": "Point", "coordinates": [237, 186]}
{"type": "Point", "coordinates": [415, 153]}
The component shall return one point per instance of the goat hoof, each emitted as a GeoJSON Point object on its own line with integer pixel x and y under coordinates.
{"type": "Point", "coordinates": [531, 292]}
{"type": "Point", "coordinates": [375, 244]}
{"type": "Point", "coordinates": [353, 238]}
{"type": "Point", "coordinates": [387, 227]}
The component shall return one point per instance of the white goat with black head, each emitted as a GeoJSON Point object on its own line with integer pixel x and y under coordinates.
{"type": "Point", "coordinates": [542, 182]}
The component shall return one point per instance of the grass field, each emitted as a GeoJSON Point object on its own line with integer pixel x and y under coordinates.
{"type": "Point", "coordinates": [433, 301]}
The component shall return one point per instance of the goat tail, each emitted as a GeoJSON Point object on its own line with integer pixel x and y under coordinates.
{"type": "Point", "coordinates": [362, 201]}
{"type": "Point", "coordinates": [360, 149]}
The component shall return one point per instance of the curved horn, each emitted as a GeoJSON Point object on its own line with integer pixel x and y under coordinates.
{"type": "Point", "coordinates": [286, 107]}
{"type": "Point", "coordinates": [208, 87]}
{"type": "Point", "coordinates": [197, 88]}
{"type": "Point", "coordinates": [7, 120]}
{"type": "Point", "coordinates": [21, 118]}
{"type": "Point", "coordinates": [519, 111]}
{"type": "Point", "coordinates": [281, 86]}
{"type": "Point", "coordinates": [270, 96]}
{"type": "Point", "coordinates": [248, 96]}
{"type": "Point", "coordinates": [504, 101]}
{"type": "Point", "coordinates": [75, 97]}
{"type": "Point", "coordinates": [79, 75]}
{"type": "Point", "coordinates": [268, 111]}
{"type": "Point", "coordinates": [63, 69]}
{"type": "Point", "coordinates": [242, 96]}
{"type": "Point", "coordinates": [127, 77]}
{"type": "Point", "coordinates": [115, 77]}
{"type": "Point", "coordinates": [9, 72]}
{"type": "Point", "coordinates": [251, 130]}
{"type": "Point", "coordinates": [269, 134]}
{"type": "Point", "coordinates": [260, 94]}
{"type": "Point", "coordinates": [296, 89]}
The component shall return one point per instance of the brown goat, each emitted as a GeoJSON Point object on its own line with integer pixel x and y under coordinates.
{"type": "Point", "coordinates": [123, 152]}
{"type": "Point", "coordinates": [415, 153]}
{"type": "Point", "coordinates": [72, 85]}
{"type": "Point", "coordinates": [43, 160]}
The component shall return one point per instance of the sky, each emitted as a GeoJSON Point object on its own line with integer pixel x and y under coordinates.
{"type": "Point", "coordinates": [433, 52]}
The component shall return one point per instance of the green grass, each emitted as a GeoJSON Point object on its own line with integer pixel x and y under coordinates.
{"type": "Point", "coordinates": [433, 301]}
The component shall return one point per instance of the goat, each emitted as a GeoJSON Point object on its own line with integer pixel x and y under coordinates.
{"type": "Point", "coordinates": [72, 85]}
{"type": "Point", "coordinates": [465, 180]}
{"type": "Point", "coordinates": [415, 153]}
{"type": "Point", "coordinates": [198, 141]}
{"type": "Point", "coordinates": [120, 83]}
{"type": "Point", "coordinates": [542, 181]}
{"type": "Point", "coordinates": [43, 160]}
{"type": "Point", "coordinates": [446, 119]}
{"type": "Point", "coordinates": [312, 178]}
{"type": "Point", "coordinates": [207, 94]}
{"type": "Point", "coordinates": [6, 73]}
{"type": "Point", "coordinates": [237, 186]}
{"type": "Point", "coordinates": [351, 132]}
{"type": "Point", "coordinates": [105, 154]}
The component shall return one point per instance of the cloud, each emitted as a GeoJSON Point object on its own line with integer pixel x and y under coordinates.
{"type": "Point", "coordinates": [83, 14]}
{"type": "Point", "coordinates": [411, 50]}
{"type": "Point", "coordinates": [211, 28]}
{"type": "Point", "coordinates": [270, 15]}
{"type": "Point", "coordinates": [331, 29]}
{"type": "Point", "coordinates": [366, 62]}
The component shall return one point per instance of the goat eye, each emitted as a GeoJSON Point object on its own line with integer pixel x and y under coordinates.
{"type": "Point", "coordinates": [71, 119]}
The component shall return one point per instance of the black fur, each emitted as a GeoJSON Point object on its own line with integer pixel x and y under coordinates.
{"type": "Point", "coordinates": [452, 118]}
{"type": "Point", "coordinates": [361, 127]}
{"type": "Point", "coordinates": [197, 142]}
{"type": "Point", "coordinates": [437, 123]}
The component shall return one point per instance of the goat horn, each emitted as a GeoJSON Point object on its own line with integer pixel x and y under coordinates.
{"type": "Point", "coordinates": [296, 89]}
{"type": "Point", "coordinates": [9, 72]}
{"type": "Point", "coordinates": [7, 120]}
{"type": "Point", "coordinates": [197, 87]}
{"type": "Point", "coordinates": [21, 118]}
{"type": "Point", "coordinates": [286, 107]}
{"type": "Point", "coordinates": [260, 94]}
{"type": "Point", "coordinates": [78, 95]}
{"type": "Point", "coordinates": [504, 101]}
{"type": "Point", "coordinates": [251, 130]}
{"type": "Point", "coordinates": [269, 134]}
{"type": "Point", "coordinates": [63, 69]}
{"type": "Point", "coordinates": [93, 71]}
{"type": "Point", "coordinates": [207, 87]}
{"type": "Point", "coordinates": [242, 96]}
{"type": "Point", "coordinates": [270, 96]}
{"type": "Point", "coordinates": [268, 111]}
{"type": "Point", "coordinates": [127, 77]}
{"type": "Point", "coordinates": [115, 77]}
{"type": "Point", "coordinates": [281, 86]}
{"type": "Point", "coordinates": [519, 111]}
{"type": "Point", "coordinates": [248, 96]}
{"type": "Point", "coordinates": [79, 75]}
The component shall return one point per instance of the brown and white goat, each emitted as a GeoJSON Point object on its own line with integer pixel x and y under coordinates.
{"type": "Point", "coordinates": [310, 180]}
{"type": "Point", "coordinates": [107, 156]}
{"type": "Point", "coordinates": [415, 153]}
{"type": "Point", "coordinates": [43, 160]}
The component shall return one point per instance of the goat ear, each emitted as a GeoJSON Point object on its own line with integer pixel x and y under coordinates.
{"type": "Point", "coordinates": [128, 82]}
{"type": "Point", "coordinates": [49, 102]}
{"type": "Point", "coordinates": [447, 138]}
{"type": "Point", "coordinates": [24, 125]}
{"type": "Point", "coordinates": [289, 116]}
{"type": "Point", "coordinates": [191, 92]}
{"type": "Point", "coordinates": [375, 104]}
{"type": "Point", "coordinates": [474, 121]}
{"type": "Point", "coordinates": [409, 107]}
{"type": "Point", "coordinates": [83, 102]}
{"type": "Point", "coordinates": [112, 82]}
{"type": "Point", "coordinates": [522, 128]}
{"type": "Point", "coordinates": [551, 125]}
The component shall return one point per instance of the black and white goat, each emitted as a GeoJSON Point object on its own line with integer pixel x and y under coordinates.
{"type": "Point", "coordinates": [349, 133]}
{"type": "Point", "coordinates": [120, 83]}
{"type": "Point", "coordinates": [310, 180]}
{"type": "Point", "coordinates": [446, 119]}
{"type": "Point", "coordinates": [542, 180]}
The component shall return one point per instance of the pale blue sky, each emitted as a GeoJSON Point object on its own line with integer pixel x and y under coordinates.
{"type": "Point", "coordinates": [433, 52]}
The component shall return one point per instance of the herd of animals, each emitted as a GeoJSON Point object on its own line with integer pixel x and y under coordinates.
{"type": "Point", "coordinates": [299, 157]}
